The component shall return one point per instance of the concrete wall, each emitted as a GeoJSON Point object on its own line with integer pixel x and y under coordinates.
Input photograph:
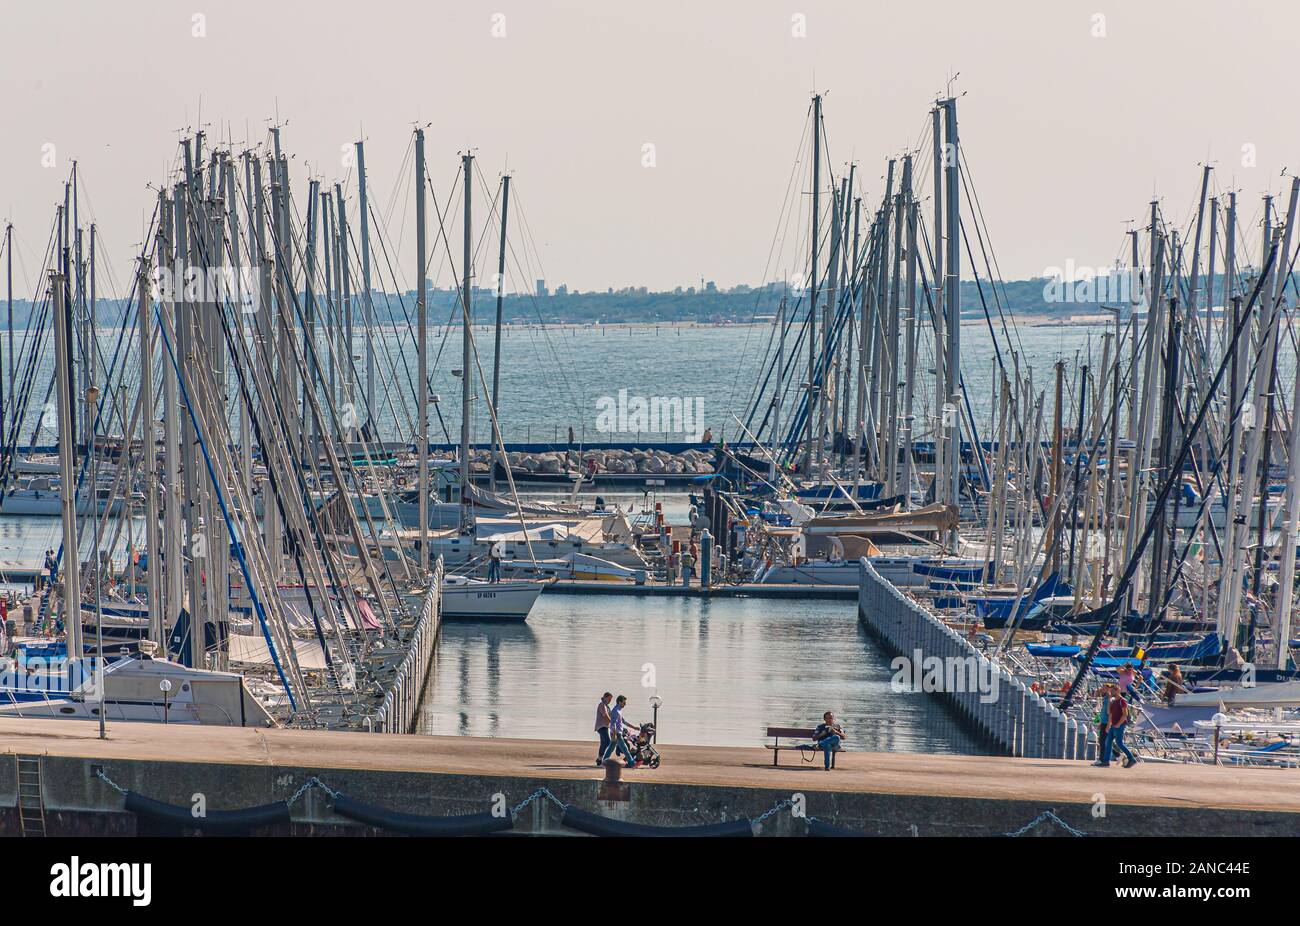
{"type": "Point", "coordinates": [997, 705]}
{"type": "Point", "coordinates": [78, 803]}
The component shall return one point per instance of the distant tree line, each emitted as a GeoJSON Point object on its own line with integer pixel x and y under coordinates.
{"type": "Point", "coordinates": [705, 304]}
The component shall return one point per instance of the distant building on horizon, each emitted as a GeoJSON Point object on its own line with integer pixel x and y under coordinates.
{"type": "Point", "coordinates": [541, 289]}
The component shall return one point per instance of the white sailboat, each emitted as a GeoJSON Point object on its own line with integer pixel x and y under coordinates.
{"type": "Point", "coordinates": [465, 598]}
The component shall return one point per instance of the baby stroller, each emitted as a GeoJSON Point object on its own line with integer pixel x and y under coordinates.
{"type": "Point", "coordinates": [642, 747]}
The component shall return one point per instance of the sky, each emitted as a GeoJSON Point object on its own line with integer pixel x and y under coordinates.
{"type": "Point", "coordinates": [1073, 115]}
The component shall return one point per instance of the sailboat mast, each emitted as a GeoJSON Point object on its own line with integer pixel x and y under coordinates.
{"type": "Point", "coordinates": [501, 288]}
{"type": "Point", "coordinates": [149, 454]}
{"type": "Point", "coordinates": [9, 276]}
{"type": "Point", "coordinates": [952, 299]}
{"type": "Point", "coordinates": [422, 331]}
{"type": "Point", "coordinates": [67, 469]}
{"type": "Point", "coordinates": [368, 305]}
{"type": "Point", "coordinates": [812, 288]}
{"type": "Point", "coordinates": [467, 319]}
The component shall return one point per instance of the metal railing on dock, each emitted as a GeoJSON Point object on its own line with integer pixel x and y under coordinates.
{"type": "Point", "coordinates": [402, 702]}
{"type": "Point", "coordinates": [942, 662]}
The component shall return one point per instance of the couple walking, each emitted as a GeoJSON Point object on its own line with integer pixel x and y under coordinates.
{"type": "Point", "coordinates": [612, 729]}
{"type": "Point", "coordinates": [1114, 714]}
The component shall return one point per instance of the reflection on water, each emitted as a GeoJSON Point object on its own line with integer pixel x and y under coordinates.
{"type": "Point", "coordinates": [726, 669]}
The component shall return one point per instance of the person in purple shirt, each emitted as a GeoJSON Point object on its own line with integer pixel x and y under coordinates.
{"type": "Point", "coordinates": [617, 726]}
{"type": "Point", "coordinates": [602, 727]}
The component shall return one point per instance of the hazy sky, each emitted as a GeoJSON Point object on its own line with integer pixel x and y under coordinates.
{"type": "Point", "coordinates": [1068, 133]}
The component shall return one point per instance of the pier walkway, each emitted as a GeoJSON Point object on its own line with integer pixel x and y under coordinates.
{"type": "Point", "coordinates": [881, 793]}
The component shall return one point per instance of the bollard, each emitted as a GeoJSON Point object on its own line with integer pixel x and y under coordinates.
{"type": "Point", "coordinates": [706, 559]}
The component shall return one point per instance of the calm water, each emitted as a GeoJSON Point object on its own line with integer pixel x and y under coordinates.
{"type": "Point", "coordinates": [725, 669]}
{"type": "Point", "coordinates": [551, 378]}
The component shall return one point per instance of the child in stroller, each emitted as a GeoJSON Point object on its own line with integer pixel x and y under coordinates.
{"type": "Point", "coordinates": [642, 747]}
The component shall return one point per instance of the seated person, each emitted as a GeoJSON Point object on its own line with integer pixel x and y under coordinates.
{"type": "Point", "coordinates": [828, 736]}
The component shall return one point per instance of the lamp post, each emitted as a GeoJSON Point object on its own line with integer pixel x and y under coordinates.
{"type": "Point", "coordinates": [1219, 720]}
{"type": "Point", "coordinates": [655, 701]}
{"type": "Point", "coordinates": [165, 686]}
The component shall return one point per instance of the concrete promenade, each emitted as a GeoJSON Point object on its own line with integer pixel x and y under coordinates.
{"type": "Point", "coordinates": [880, 793]}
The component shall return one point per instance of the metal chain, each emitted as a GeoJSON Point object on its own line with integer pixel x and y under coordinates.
{"type": "Point", "coordinates": [782, 805]}
{"type": "Point", "coordinates": [100, 774]}
{"type": "Point", "coordinates": [310, 783]}
{"type": "Point", "coordinates": [540, 792]}
{"type": "Point", "coordinates": [1047, 815]}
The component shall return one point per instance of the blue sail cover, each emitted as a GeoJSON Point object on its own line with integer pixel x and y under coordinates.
{"type": "Point", "coordinates": [1052, 587]}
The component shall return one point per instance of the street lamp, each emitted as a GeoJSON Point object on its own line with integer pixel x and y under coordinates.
{"type": "Point", "coordinates": [655, 701]}
{"type": "Point", "coordinates": [165, 686]}
{"type": "Point", "coordinates": [1218, 720]}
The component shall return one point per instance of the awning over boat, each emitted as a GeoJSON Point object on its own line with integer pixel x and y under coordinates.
{"type": "Point", "coordinates": [251, 650]}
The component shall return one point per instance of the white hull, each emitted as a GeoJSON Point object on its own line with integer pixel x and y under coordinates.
{"type": "Point", "coordinates": [476, 600]}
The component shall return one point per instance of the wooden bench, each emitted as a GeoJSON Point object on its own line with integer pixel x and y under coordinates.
{"type": "Point", "coordinates": [804, 733]}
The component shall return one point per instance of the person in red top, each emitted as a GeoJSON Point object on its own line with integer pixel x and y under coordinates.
{"type": "Point", "coordinates": [1118, 720]}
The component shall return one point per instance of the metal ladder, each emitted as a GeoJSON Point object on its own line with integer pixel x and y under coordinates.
{"type": "Point", "coordinates": [31, 804]}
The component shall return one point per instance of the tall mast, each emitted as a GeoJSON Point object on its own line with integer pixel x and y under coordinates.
{"type": "Point", "coordinates": [913, 208]}
{"type": "Point", "coordinates": [343, 280]}
{"type": "Point", "coordinates": [172, 559]}
{"type": "Point", "coordinates": [780, 385]}
{"type": "Point", "coordinates": [368, 305]}
{"type": "Point", "coordinates": [501, 288]}
{"type": "Point", "coordinates": [467, 320]}
{"type": "Point", "coordinates": [894, 367]}
{"type": "Point", "coordinates": [812, 288]}
{"type": "Point", "coordinates": [9, 257]}
{"type": "Point", "coordinates": [952, 297]}
{"type": "Point", "coordinates": [153, 545]}
{"type": "Point", "coordinates": [67, 470]}
{"type": "Point", "coordinates": [422, 383]}
{"type": "Point", "coordinates": [940, 390]}
{"type": "Point", "coordinates": [90, 362]}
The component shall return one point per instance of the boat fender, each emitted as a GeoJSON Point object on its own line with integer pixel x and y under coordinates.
{"type": "Point", "coordinates": [596, 825]}
{"type": "Point", "coordinates": [818, 828]}
{"type": "Point", "coordinates": [474, 824]}
{"type": "Point", "coordinates": [215, 821]}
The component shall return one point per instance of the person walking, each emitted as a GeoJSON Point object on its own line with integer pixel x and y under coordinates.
{"type": "Point", "coordinates": [617, 725]}
{"type": "Point", "coordinates": [1118, 718]}
{"type": "Point", "coordinates": [828, 737]}
{"type": "Point", "coordinates": [602, 727]}
{"type": "Point", "coordinates": [1101, 719]}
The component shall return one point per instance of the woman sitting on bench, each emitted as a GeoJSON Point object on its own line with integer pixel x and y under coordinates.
{"type": "Point", "coordinates": [828, 736]}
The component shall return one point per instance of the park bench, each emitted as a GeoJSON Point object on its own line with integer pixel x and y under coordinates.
{"type": "Point", "coordinates": [803, 733]}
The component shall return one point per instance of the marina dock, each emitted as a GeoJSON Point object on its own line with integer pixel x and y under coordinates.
{"type": "Point", "coordinates": [873, 793]}
{"type": "Point", "coordinates": [695, 590]}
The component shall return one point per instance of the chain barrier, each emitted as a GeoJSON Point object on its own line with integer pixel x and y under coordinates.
{"type": "Point", "coordinates": [1046, 815]}
{"type": "Point", "coordinates": [103, 776]}
{"type": "Point", "coordinates": [310, 783]}
{"type": "Point", "coordinates": [539, 793]}
{"type": "Point", "coordinates": [546, 793]}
